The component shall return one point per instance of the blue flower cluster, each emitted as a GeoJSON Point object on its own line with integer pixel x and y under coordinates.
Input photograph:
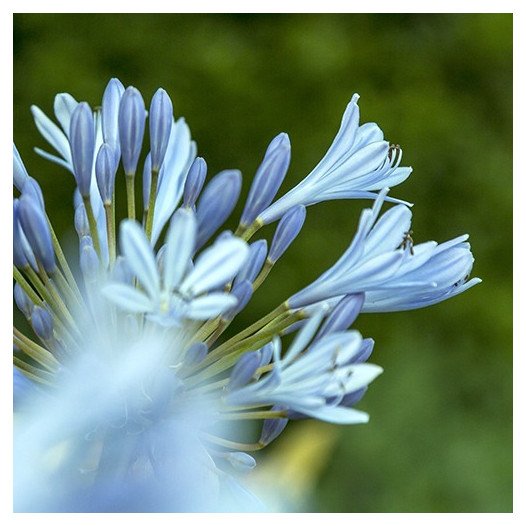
{"type": "Point", "coordinates": [130, 391]}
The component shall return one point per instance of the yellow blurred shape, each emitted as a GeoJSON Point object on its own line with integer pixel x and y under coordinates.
{"type": "Point", "coordinates": [291, 470]}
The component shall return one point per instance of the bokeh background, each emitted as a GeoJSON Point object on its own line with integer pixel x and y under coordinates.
{"type": "Point", "coordinates": [440, 85]}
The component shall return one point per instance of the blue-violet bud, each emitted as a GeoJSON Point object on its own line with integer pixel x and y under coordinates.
{"type": "Point", "coordinates": [256, 257]}
{"type": "Point", "coordinates": [194, 182]}
{"type": "Point", "coordinates": [105, 169]}
{"type": "Point", "coordinates": [286, 231]}
{"type": "Point", "coordinates": [89, 261]}
{"type": "Point", "coordinates": [132, 118]}
{"type": "Point", "coordinates": [343, 314]}
{"type": "Point", "coordinates": [22, 300]}
{"type": "Point", "coordinates": [195, 354]}
{"type": "Point", "coordinates": [42, 323]}
{"type": "Point", "coordinates": [242, 291]}
{"type": "Point", "coordinates": [161, 119]}
{"type": "Point", "coordinates": [272, 428]}
{"type": "Point", "coordinates": [36, 229]}
{"type": "Point", "coordinates": [32, 188]}
{"type": "Point", "coordinates": [82, 141]}
{"type": "Point", "coordinates": [268, 178]}
{"type": "Point", "coordinates": [244, 370]}
{"type": "Point", "coordinates": [216, 203]}
{"type": "Point", "coordinates": [110, 116]}
{"type": "Point", "coordinates": [19, 170]}
{"type": "Point", "coordinates": [81, 221]}
{"type": "Point", "coordinates": [22, 253]}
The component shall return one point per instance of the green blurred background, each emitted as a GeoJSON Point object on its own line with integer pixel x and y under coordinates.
{"type": "Point", "coordinates": [440, 85]}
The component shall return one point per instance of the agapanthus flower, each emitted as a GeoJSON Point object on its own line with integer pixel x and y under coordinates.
{"type": "Point", "coordinates": [129, 384]}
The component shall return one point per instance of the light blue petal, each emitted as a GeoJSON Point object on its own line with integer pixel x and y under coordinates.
{"type": "Point", "coordinates": [177, 161]}
{"type": "Point", "coordinates": [52, 133]}
{"type": "Point", "coordinates": [389, 230]}
{"type": "Point", "coordinates": [344, 140]}
{"type": "Point", "coordinates": [128, 298]}
{"type": "Point", "coordinates": [337, 414]}
{"type": "Point", "coordinates": [54, 159]}
{"type": "Point", "coordinates": [210, 306]}
{"type": "Point", "coordinates": [180, 243]}
{"type": "Point", "coordinates": [139, 256]}
{"type": "Point", "coordinates": [304, 336]}
{"type": "Point", "coordinates": [63, 106]}
{"type": "Point", "coordinates": [362, 374]}
{"type": "Point", "coordinates": [216, 266]}
{"type": "Point", "coordinates": [19, 170]}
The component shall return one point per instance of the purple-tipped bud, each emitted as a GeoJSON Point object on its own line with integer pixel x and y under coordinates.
{"type": "Point", "coordinates": [256, 257]}
{"type": "Point", "coordinates": [22, 300]}
{"type": "Point", "coordinates": [81, 221]}
{"type": "Point", "coordinates": [110, 116]}
{"type": "Point", "coordinates": [287, 230]}
{"type": "Point", "coordinates": [216, 203]}
{"type": "Point", "coordinates": [36, 229]}
{"type": "Point", "coordinates": [105, 169]}
{"type": "Point", "coordinates": [268, 178]}
{"type": "Point", "coordinates": [22, 252]}
{"type": "Point", "coordinates": [365, 351]}
{"type": "Point", "coordinates": [146, 181]}
{"type": "Point", "coordinates": [351, 399]}
{"type": "Point", "coordinates": [266, 352]}
{"type": "Point", "coordinates": [32, 188]}
{"type": "Point", "coordinates": [272, 428]}
{"type": "Point", "coordinates": [82, 141]}
{"type": "Point", "coordinates": [194, 182]}
{"type": "Point", "coordinates": [42, 323]}
{"type": "Point", "coordinates": [243, 292]}
{"type": "Point", "coordinates": [244, 370]}
{"type": "Point", "coordinates": [240, 461]}
{"type": "Point", "coordinates": [132, 119]}
{"type": "Point", "coordinates": [343, 314]}
{"type": "Point", "coordinates": [195, 354]}
{"type": "Point", "coordinates": [19, 170]}
{"type": "Point", "coordinates": [161, 119]}
{"type": "Point", "coordinates": [89, 261]}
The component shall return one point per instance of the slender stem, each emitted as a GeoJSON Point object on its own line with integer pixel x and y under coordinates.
{"type": "Point", "coordinates": [110, 228]}
{"type": "Point", "coordinates": [246, 232]}
{"type": "Point", "coordinates": [59, 313]}
{"type": "Point", "coordinates": [32, 372]}
{"type": "Point", "coordinates": [58, 301]}
{"type": "Point", "coordinates": [28, 289]}
{"type": "Point", "coordinates": [63, 262]}
{"type": "Point", "coordinates": [36, 299]}
{"type": "Point", "coordinates": [66, 290]}
{"type": "Point", "coordinates": [130, 195]}
{"type": "Point", "coordinates": [267, 267]}
{"type": "Point", "coordinates": [252, 415]}
{"type": "Point", "coordinates": [92, 226]}
{"type": "Point", "coordinates": [237, 446]}
{"type": "Point", "coordinates": [213, 365]}
{"type": "Point", "coordinates": [35, 351]}
{"type": "Point", "coordinates": [151, 203]}
{"type": "Point", "coordinates": [221, 327]}
{"type": "Point", "coordinates": [269, 318]}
